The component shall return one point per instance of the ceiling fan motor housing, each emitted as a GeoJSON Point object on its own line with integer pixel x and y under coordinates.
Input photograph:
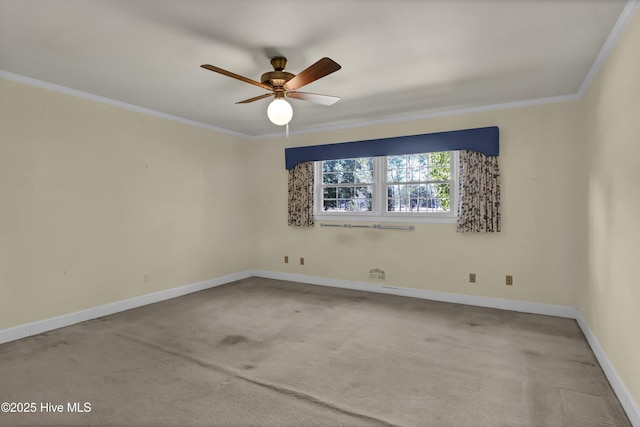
{"type": "Point", "coordinates": [278, 77]}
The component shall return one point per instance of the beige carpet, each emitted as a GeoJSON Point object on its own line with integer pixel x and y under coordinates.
{"type": "Point", "coordinates": [262, 352]}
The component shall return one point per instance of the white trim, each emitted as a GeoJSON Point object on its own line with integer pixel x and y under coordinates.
{"type": "Point", "coordinates": [378, 186]}
{"type": "Point", "coordinates": [400, 119]}
{"type": "Point", "coordinates": [399, 219]}
{"type": "Point", "coordinates": [109, 101]}
{"type": "Point", "coordinates": [609, 44]}
{"type": "Point", "coordinates": [607, 47]}
{"type": "Point", "coordinates": [430, 115]}
{"type": "Point", "coordinates": [624, 396]}
{"type": "Point", "coordinates": [40, 326]}
{"type": "Point", "coordinates": [504, 304]}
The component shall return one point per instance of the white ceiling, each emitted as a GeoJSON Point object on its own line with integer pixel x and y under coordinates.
{"type": "Point", "coordinates": [400, 58]}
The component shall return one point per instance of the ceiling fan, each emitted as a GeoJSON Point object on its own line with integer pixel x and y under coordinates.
{"type": "Point", "coordinates": [283, 84]}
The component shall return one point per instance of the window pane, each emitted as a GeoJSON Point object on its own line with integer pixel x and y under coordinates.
{"type": "Point", "coordinates": [419, 167]}
{"type": "Point", "coordinates": [440, 173]}
{"type": "Point", "coordinates": [329, 178]}
{"type": "Point", "coordinates": [397, 198]}
{"type": "Point", "coordinates": [354, 205]}
{"type": "Point", "coordinates": [345, 192]}
{"type": "Point", "coordinates": [364, 192]}
{"type": "Point", "coordinates": [396, 166]}
{"type": "Point", "coordinates": [415, 165]}
{"type": "Point", "coordinates": [364, 163]}
{"type": "Point", "coordinates": [348, 171]}
{"type": "Point", "coordinates": [348, 197]}
{"type": "Point", "coordinates": [348, 164]}
{"type": "Point", "coordinates": [416, 190]}
{"type": "Point", "coordinates": [440, 169]}
{"type": "Point", "coordinates": [329, 205]}
{"type": "Point", "coordinates": [416, 183]}
{"type": "Point", "coordinates": [439, 198]}
{"type": "Point", "coordinates": [329, 193]}
{"type": "Point", "coordinates": [329, 165]}
{"type": "Point", "coordinates": [441, 158]}
{"type": "Point", "coordinates": [363, 176]}
{"type": "Point", "coordinates": [345, 178]}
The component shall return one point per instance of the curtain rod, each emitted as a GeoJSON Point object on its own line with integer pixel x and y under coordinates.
{"type": "Point", "coordinates": [375, 226]}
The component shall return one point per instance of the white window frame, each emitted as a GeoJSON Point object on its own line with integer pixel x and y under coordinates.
{"type": "Point", "coordinates": [378, 211]}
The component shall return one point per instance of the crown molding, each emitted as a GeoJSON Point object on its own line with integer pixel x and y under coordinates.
{"type": "Point", "coordinates": [617, 30]}
{"type": "Point", "coordinates": [433, 114]}
{"type": "Point", "coordinates": [109, 101]}
{"type": "Point", "coordinates": [401, 119]}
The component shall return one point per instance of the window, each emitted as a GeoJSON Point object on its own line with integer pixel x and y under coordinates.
{"type": "Point", "coordinates": [421, 187]}
{"type": "Point", "coordinates": [347, 185]}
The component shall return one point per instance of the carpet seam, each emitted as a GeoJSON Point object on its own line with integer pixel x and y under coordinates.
{"type": "Point", "coordinates": [279, 389]}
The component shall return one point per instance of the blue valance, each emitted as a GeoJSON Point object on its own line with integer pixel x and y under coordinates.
{"type": "Point", "coordinates": [483, 140]}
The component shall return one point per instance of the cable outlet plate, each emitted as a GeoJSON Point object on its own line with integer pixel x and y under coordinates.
{"type": "Point", "coordinates": [377, 273]}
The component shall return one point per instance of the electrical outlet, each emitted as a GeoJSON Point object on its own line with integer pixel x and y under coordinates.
{"type": "Point", "coordinates": [301, 261]}
{"type": "Point", "coordinates": [509, 280]}
{"type": "Point", "coordinates": [286, 259]}
{"type": "Point", "coordinates": [472, 277]}
{"type": "Point", "coordinates": [147, 277]}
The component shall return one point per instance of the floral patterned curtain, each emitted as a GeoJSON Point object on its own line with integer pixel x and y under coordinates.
{"type": "Point", "coordinates": [479, 207]}
{"type": "Point", "coordinates": [301, 195]}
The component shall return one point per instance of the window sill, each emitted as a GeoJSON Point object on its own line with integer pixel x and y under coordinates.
{"type": "Point", "coordinates": [399, 218]}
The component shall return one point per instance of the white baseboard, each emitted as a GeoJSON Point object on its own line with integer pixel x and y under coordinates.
{"type": "Point", "coordinates": [627, 401]}
{"type": "Point", "coordinates": [621, 391]}
{"type": "Point", "coordinates": [40, 326]}
{"type": "Point", "coordinates": [624, 396]}
{"type": "Point", "coordinates": [503, 304]}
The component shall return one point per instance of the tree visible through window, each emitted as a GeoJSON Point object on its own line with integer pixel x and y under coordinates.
{"type": "Point", "coordinates": [416, 185]}
{"type": "Point", "coordinates": [419, 182]}
{"type": "Point", "coordinates": [347, 185]}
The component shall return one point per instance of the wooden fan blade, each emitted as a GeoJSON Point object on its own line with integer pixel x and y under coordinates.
{"type": "Point", "coordinates": [235, 76]}
{"type": "Point", "coordinates": [314, 97]}
{"type": "Point", "coordinates": [257, 98]}
{"type": "Point", "coordinates": [322, 68]}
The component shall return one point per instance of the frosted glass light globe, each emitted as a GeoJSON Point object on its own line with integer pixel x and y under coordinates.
{"type": "Point", "coordinates": [280, 112]}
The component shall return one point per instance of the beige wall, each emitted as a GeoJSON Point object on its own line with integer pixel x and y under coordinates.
{"type": "Point", "coordinates": [541, 245]}
{"type": "Point", "coordinates": [610, 297]}
{"type": "Point", "coordinates": [93, 197]}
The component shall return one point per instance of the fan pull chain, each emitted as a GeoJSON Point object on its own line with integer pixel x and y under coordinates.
{"type": "Point", "coordinates": [287, 131]}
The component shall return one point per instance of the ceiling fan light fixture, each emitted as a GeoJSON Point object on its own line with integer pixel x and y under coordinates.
{"type": "Point", "coordinates": [283, 83]}
{"type": "Point", "coordinates": [280, 112]}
